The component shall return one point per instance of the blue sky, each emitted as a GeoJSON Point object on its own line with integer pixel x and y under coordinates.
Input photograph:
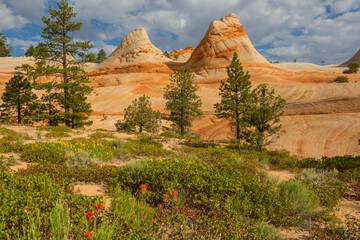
{"type": "Point", "coordinates": [281, 30]}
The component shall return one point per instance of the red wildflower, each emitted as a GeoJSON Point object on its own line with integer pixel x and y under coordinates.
{"type": "Point", "coordinates": [142, 213]}
{"type": "Point", "coordinates": [142, 207]}
{"type": "Point", "coordinates": [89, 216]}
{"type": "Point", "coordinates": [99, 207]}
{"type": "Point", "coordinates": [143, 188]}
{"type": "Point", "coordinates": [150, 209]}
{"type": "Point", "coordinates": [166, 197]}
{"type": "Point", "coordinates": [175, 193]}
{"type": "Point", "coordinates": [154, 219]}
{"type": "Point", "coordinates": [160, 205]}
{"type": "Point", "coordinates": [88, 235]}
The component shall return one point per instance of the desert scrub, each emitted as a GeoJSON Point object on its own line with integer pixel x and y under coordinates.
{"type": "Point", "coordinates": [132, 217]}
{"type": "Point", "coordinates": [341, 79]}
{"type": "Point", "coordinates": [79, 158]}
{"type": "Point", "coordinates": [20, 196]}
{"type": "Point", "coordinates": [57, 135]}
{"type": "Point", "coordinates": [55, 128]}
{"type": "Point", "coordinates": [220, 185]}
{"type": "Point", "coordinates": [54, 152]}
{"type": "Point", "coordinates": [101, 135]}
{"type": "Point", "coordinates": [300, 201]}
{"type": "Point", "coordinates": [267, 231]}
{"type": "Point", "coordinates": [59, 173]}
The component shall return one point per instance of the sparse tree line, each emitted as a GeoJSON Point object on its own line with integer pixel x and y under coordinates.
{"type": "Point", "coordinates": [62, 84]}
{"type": "Point", "coordinates": [254, 114]}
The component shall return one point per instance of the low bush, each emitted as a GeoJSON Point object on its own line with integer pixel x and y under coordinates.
{"type": "Point", "coordinates": [300, 201]}
{"type": "Point", "coordinates": [57, 135]}
{"type": "Point", "coordinates": [341, 79]}
{"type": "Point", "coordinates": [62, 128]}
{"type": "Point", "coordinates": [267, 231]}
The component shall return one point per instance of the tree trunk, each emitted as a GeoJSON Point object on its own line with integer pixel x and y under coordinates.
{"type": "Point", "coordinates": [182, 127]}
{"type": "Point", "coordinates": [19, 112]}
{"type": "Point", "coordinates": [65, 81]}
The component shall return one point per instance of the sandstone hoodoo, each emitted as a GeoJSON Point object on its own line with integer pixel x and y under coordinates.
{"type": "Point", "coordinates": [134, 48]}
{"type": "Point", "coordinates": [354, 59]}
{"type": "Point", "coordinates": [221, 40]}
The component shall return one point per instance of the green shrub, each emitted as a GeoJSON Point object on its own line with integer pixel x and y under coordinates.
{"type": "Point", "coordinates": [100, 135]}
{"type": "Point", "coordinates": [341, 79]}
{"type": "Point", "coordinates": [78, 159]}
{"type": "Point", "coordinates": [299, 200]}
{"type": "Point", "coordinates": [267, 231]}
{"type": "Point", "coordinates": [132, 215]}
{"type": "Point", "coordinates": [57, 135]}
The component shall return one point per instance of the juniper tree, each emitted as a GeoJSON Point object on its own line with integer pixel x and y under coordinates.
{"type": "Point", "coordinates": [66, 87]}
{"type": "Point", "coordinates": [140, 114]}
{"type": "Point", "coordinates": [30, 51]}
{"type": "Point", "coordinates": [18, 99]}
{"type": "Point", "coordinates": [182, 101]}
{"type": "Point", "coordinates": [5, 49]}
{"type": "Point", "coordinates": [235, 96]}
{"type": "Point", "coordinates": [263, 114]}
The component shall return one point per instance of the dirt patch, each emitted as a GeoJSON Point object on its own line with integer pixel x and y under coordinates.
{"type": "Point", "coordinates": [93, 190]}
{"type": "Point", "coordinates": [347, 209]}
{"type": "Point", "coordinates": [282, 175]}
{"type": "Point", "coordinates": [294, 233]}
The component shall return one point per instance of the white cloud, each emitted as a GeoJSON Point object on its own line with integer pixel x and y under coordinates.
{"type": "Point", "coordinates": [281, 29]}
{"type": "Point", "coordinates": [8, 19]}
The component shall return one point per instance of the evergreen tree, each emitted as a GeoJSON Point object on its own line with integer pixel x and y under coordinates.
{"type": "Point", "coordinates": [5, 50]}
{"type": "Point", "coordinates": [101, 56]}
{"type": "Point", "coordinates": [18, 99]}
{"type": "Point", "coordinates": [30, 52]}
{"type": "Point", "coordinates": [263, 114]}
{"type": "Point", "coordinates": [353, 67]}
{"type": "Point", "coordinates": [65, 99]}
{"type": "Point", "coordinates": [182, 101]}
{"type": "Point", "coordinates": [140, 114]}
{"type": "Point", "coordinates": [235, 96]}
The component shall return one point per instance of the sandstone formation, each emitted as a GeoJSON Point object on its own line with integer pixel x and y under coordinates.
{"type": "Point", "coordinates": [181, 55]}
{"type": "Point", "coordinates": [321, 117]}
{"type": "Point", "coordinates": [216, 49]}
{"type": "Point", "coordinates": [134, 48]}
{"type": "Point", "coordinates": [354, 59]}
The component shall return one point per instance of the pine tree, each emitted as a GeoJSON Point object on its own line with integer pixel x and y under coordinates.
{"type": "Point", "coordinates": [263, 114]}
{"type": "Point", "coordinates": [5, 50]}
{"type": "Point", "coordinates": [182, 101]}
{"type": "Point", "coordinates": [235, 96]}
{"type": "Point", "coordinates": [140, 114]}
{"type": "Point", "coordinates": [65, 99]}
{"type": "Point", "coordinates": [18, 99]}
{"type": "Point", "coordinates": [101, 56]}
{"type": "Point", "coordinates": [30, 51]}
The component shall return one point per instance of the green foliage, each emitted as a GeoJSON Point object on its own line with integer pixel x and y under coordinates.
{"type": "Point", "coordinates": [263, 113]}
{"type": "Point", "coordinates": [101, 56]}
{"type": "Point", "coordinates": [130, 214]}
{"type": "Point", "coordinates": [18, 100]}
{"type": "Point", "coordinates": [57, 135]}
{"type": "Point", "coordinates": [78, 158]}
{"type": "Point", "coordinates": [267, 231]}
{"type": "Point", "coordinates": [65, 100]}
{"type": "Point", "coordinates": [235, 96]}
{"type": "Point", "coordinates": [30, 51]}
{"type": "Point", "coordinates": [61, 129]}
{"type": "Point", "coordinates": [341, 79]}
{"type": "Point", "coordinates": [299, 200]}
{"type": "Point", "coordinates": [140, 114]}
{"type": "Point", "coordinates": [23, 197]}
{"type": "Point", "coordinates": [182, 101]}
{"type": "Point", "coordinates": [5, 49]}
{"type": "Point", "coordinates": [100, 135]}
{"type": "Point", "coordinates": [353, 67]}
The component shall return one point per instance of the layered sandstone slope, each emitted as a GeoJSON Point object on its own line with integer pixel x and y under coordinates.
{"type": "Point", "coordinates": [181, 55]}
{"type": "Point", "coordinates": [134, 48]}
{"type": "Point", "coordinates": [135, 55]}
{"type": "Point", "coordinates": [221, 40]}
{"type": "Point", "coordinates": [354, 59]}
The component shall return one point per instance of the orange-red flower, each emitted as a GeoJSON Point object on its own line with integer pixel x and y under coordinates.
{"type": "Point", "coordinates": [142, 213]}
{"type": "Point", "coordinates": [89, 216]}
{"type": "Point", "coordinates": [143, 188]}
{"type": "Point", "coordinates": [160, 205]}
{"type": "Point", "coordinates": [166, 197]}
{"type": "Point", "coordinates": [142, 207]}
{"type": "Point", "coordinates": [175, 193]}
{"type": "Point", "coordinates": [88, 235]}
{"type": "Point", "coordinates": [99, 207]}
